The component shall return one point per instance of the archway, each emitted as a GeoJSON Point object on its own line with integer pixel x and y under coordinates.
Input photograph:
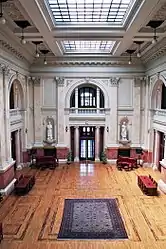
{"type": "Point", "coordinates": [16, 107]}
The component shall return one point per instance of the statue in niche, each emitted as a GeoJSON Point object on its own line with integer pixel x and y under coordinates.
{"type": "Point", "coordinates": [124, 139]}
{"type": "Point", "coordinates": [124, 131]}
{"type": "Point", "coordinates": [49, 131]}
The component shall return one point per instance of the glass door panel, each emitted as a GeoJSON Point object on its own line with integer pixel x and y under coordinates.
{"type": "Point", "coordinates": [83, 149]}
{"type": "Point", "coordinates": [87, 148]}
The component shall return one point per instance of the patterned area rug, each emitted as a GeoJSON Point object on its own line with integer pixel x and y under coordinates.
{"type": "Point", "coordinates": [92, 219]}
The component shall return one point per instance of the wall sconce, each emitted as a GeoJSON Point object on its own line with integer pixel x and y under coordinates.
{"type": "Point", "coordinates": [26, 130]}
{"type": "Point", "coordinates": [107, 129]}
{"type": "Point", "coordinates": [66, 129]}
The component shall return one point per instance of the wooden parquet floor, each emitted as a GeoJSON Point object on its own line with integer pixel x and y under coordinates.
{"type": "Point", "coordinates": [33, 221]}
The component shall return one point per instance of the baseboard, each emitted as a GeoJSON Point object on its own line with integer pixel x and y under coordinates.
{"type": "Point", "coordinates": [111, 161]}
{"type": "Point", "coordinates": [9, 188]}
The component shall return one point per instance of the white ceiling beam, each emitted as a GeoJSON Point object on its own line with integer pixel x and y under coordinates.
{"type": "Point", "coordinates": [36, 14]}
{"type": "Point", "coordinates": [142, 17]}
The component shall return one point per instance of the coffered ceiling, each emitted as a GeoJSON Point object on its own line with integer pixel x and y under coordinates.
{"type": "Point", "coordinates": [85, 31]}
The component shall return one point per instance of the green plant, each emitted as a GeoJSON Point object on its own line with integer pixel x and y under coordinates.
{"type": "Point", "coordinates": [103, 157]}
{"type": "Point", "coordinates": [69, 157]}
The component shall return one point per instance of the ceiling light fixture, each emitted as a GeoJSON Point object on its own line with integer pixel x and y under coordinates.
{"type": "Point", "coordinates": [130, 52]}
{"type": "Point", "coordinates": [2, 19]}
{"type": "Point", "coordinates": [139, 47]}
{"type": "Point", "coordinates": [154, 24]}
{"type": "Point", "coordinates": [37, 55]}
{"type": "Point", "coordinates": [44, 52]}
{"type": "Point", "coordinates": [22, 24]}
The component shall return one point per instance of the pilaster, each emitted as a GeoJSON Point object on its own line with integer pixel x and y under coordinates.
{"type": "Point", "coordinates": [112, 117]}
{"type": "Point", "coordinates": [38, 139]}
{"type": "Point", "coordinates": [136, 123]}
{"type": "Point", "coordinates": [60, 111]}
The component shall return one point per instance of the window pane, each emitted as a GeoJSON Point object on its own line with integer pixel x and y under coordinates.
{"type": "Point", "coordinates": [90, 10]}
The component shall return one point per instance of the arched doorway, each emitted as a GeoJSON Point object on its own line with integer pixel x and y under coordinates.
{"type": "Point", "coordinates": [16, 107]}
{"type": "Point", "coordinates": [87, 141]}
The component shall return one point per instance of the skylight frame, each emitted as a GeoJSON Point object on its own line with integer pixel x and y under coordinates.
{"type": "Point", "coordinates": [101, 12]}
{"type": "Point", "coordinates": [88, 46]}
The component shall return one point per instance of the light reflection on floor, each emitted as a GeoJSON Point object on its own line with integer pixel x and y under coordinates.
{"type": "Point", "coordinates": [86, 169]}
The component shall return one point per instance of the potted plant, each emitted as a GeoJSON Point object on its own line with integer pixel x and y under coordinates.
{"type": "Point", "coordinates": [69, 157]}
{"type": "Point", "coordinates": [103, 157]}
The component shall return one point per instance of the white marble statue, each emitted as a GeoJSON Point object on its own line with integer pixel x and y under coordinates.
{"type": "Point", "coordinates": [124, 131]}
{"type": "Point", "coordinates": [49, 131]}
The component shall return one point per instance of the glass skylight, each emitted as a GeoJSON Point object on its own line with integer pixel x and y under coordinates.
{"type": "Point", "coordinates": [88, 46]}
{"type": "Point", "coordinates": [90, 11]}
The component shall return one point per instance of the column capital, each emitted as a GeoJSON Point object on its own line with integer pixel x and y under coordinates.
{"type": "Point", "coordinates": [34, 80]}
{"type": "Point", "coordinates": [114, 81]}
{"type": "Point", "coordinates": [97, 127]}
{"type": "Point", "coordinates": [5, 69]}
{"type": "Point", "coordinates": [138, 81]}
{"type": "Point", "coordinates": [59, 81]}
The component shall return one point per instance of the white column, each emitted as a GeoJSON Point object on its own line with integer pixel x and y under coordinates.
{"type": "Point", "coordinates": [7, 76]}
{"type": "Point", "coordinates": [76, 99]}
{"type": "Point", "coordinates": [2, 119]}
{"type": "Point", "coordinates": [146, 113]}
{"type": "Point", "coordinates": [163, 162]}
{"type": "Point", "coordinates": [60, 112]}
{"type": "Point", "coordinates": [98, 99]}
{"type": "Point", "coordinates": [156, 148]}
{"type": "Point", "coordinates": [97, 143]}
{"type": "Point", "coordinates": [18, 147]}
{"type": "Point", "coordinates": [76, 143]}
{"type": "Point", "coordinates": [136, 124]}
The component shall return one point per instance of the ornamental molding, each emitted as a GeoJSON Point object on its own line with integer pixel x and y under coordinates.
{"type": "Point", "coordinates": [11, 49]}
{"type": "Point", "coordinates": [155, 52]}
{"type": "Point", "coordinates": [114, 81]}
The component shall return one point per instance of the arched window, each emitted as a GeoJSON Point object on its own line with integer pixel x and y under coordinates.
{"type": "Point", "coordinates": [87, 98]}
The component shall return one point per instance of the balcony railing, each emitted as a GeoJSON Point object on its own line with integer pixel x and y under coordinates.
{"type": "Point", "coordinates": [87, 111]}
{"type": "Point", "coordinates": [160, 112]}
{"type": "Point", "coordinates": [15, 114]}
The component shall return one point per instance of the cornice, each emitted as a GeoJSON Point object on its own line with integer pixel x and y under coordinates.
{"type": "Point", "coordinates": [155, 52]}
{"type": "Point", "coordinates": [8, 47]}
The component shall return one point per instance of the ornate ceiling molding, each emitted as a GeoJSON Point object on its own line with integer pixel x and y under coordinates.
{"type": "Point", "coordinates": [12, 50]}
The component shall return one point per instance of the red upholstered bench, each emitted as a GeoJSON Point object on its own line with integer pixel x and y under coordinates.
{"type": "Point", "coordinates": [47, 161]}
{"type": "Point", "coordinates": [126, 163]}
{"type": "Point", "coordinates": [24, 185]}
{"type": "Point", "coordinates": [147, 185]}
